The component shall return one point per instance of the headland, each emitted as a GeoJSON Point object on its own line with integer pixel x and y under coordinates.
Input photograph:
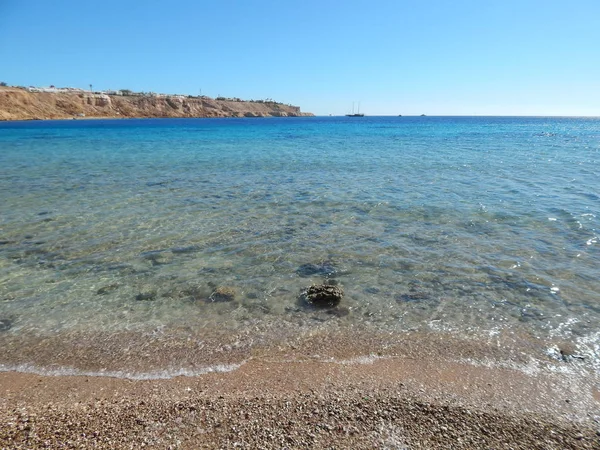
{"type": "Point", "coordinates": [32, 103]}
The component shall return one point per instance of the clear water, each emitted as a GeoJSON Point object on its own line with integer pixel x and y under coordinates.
{"type": "Point", "coordinates": [127, 227]}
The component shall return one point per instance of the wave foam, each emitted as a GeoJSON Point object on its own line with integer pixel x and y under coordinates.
{"type": "Point", "coordinates": [152, 375]}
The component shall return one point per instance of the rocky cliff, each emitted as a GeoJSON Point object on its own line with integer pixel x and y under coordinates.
{"type": "Point", "coordinates": [21, 104]}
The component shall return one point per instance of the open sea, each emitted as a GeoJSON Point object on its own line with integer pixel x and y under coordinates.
{"type": "Point", "coordinates": [150, 248]}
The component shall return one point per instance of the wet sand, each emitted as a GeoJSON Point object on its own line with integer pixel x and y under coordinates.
{"type": "Point", "coordinates": [310, 396]}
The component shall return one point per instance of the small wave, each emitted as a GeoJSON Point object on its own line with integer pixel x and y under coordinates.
{"type": "Point", "coordinates": [130, 375]}
{"type": "Point", "coordinates": [533, 368]}
{"type": "Point", "coordinates": [365, 359]}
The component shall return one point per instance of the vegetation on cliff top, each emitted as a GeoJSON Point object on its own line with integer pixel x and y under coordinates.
{"type": "Point", "coordinates": [21, 103]}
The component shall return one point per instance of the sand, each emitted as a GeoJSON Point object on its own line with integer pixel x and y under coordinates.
{"type": "Point", "coordinates": [300, 397]}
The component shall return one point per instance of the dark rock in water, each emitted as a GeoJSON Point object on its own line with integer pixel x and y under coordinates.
{"type": "Point", "coordinates": [223, 294]}
{"type": "Point", "coordinates": [157, 257]}
{"type": "Point", "coordinates": [412, 297]}
{"type": "Point", "coordinates": [107, 289]}
{"type": "Point", "coordinates": [43, 213]}
{"type": "Point", "coordinates": [190, 291]}
{"type": "Point", "coordinates": [529, 314]}
{"type": "Point", "coordinates": [5, 324]}
{"type": "Point", "coordinates": [188, 249]}
{"type": "Point", "coordinates": [322, 295]}
{"type": "Point", "coordinates": [149, 295]}
{"type": "Point", "coordinates": [325, 269]}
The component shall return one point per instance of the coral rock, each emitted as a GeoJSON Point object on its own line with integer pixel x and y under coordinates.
{"type": "Point", "coordinates": [323, 295]}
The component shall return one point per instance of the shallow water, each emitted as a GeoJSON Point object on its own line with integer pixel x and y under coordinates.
{"type": "Point", "coordinates": [474, 226]}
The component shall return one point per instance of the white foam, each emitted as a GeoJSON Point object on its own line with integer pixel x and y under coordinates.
{"type": "Point", "coordinates": [589, 347]}
{"type": "Point", "coordinates": [564, 328]}
{"type": "Point", "coordinates": [365, 359]}
{"type": "Point", "coordinates": [152, 375]}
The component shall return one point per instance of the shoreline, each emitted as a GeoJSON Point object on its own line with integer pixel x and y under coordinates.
{"type": "Point", "coordinates": [57, 119]}
{"type": "Point", "coordinates": [301, 397]}
{"type": "Point", "coordinates": [286, 117]}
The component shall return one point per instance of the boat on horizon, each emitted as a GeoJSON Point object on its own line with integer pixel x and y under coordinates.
{"type": "Point", "coordinates": [357, 114]}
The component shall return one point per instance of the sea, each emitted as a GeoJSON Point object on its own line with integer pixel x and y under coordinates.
{"type": "Point", "coordinates": [152, 248]}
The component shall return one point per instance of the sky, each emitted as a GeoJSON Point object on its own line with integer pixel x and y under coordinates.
{"type": "Point", "coordinates": [409, 57]}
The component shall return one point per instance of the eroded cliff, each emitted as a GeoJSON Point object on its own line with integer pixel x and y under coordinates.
{"type": "Point", "coordinates": [21, 104]}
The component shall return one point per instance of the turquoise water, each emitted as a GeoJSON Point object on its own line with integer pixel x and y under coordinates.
{"type": "Point", "coordinates": [466, 225]}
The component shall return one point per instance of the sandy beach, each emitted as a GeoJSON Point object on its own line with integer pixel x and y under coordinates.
{"type": "Point", "coordinates": [155, 280]}
{"type": "Point", "coordinates": [305, 396]}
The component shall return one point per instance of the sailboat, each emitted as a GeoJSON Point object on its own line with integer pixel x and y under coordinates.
{"type": "Point", "coordinates": [357, 114]}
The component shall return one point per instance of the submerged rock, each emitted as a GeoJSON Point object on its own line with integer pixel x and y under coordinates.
{"type": "Point", "coordinates": [223, 294]}
{"type": "Point", "coordinates": [190, 291]}
{"type": "Point", "coordinates": [325, 269]}
{"type": "Point", "coordinates": [322, 295]}
{"type": "Point", "coordinates": [148, 295]}
{"type": "Point", "coordinates": [5, 324]}
{"type": "Point", "coordinates": [188, 249]}
{"type": "Point", "coordinates": [107, 289]}
{"type": "Point", "coordinates": [413, 296]}
{"type": "Point", "coordinates": [157, 257]}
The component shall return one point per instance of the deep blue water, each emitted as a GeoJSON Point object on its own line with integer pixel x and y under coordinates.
{"type": "Point", "coordinates": [478, 225]}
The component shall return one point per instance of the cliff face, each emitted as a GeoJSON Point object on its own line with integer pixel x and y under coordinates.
{"type": "Point", "coordinates": [20, 104]}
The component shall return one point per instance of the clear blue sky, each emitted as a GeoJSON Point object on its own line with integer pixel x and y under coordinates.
{"type": "Point", "coordinates": [463, 57]}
